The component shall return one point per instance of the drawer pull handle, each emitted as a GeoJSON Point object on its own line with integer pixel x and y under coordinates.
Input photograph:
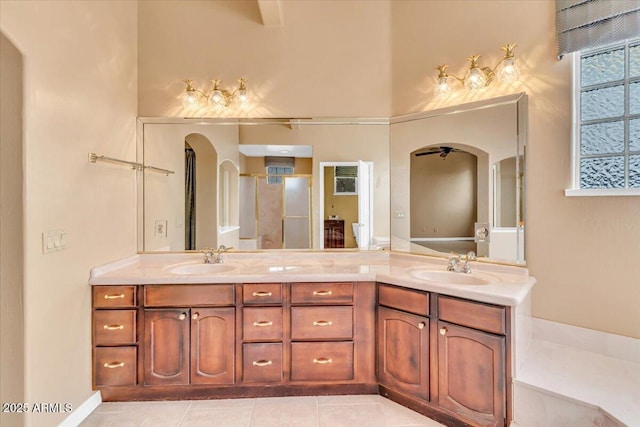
{"type": "Point", "coordinates": [113, 296]}
{"type": "Point", "coordinates": [263, 323]}
{"type": "Point", "coordinates": [322, 361]}
{"type": "Point", "coordinates": [322, 293]}
{"type": "Point", "coordinates": [113, 327]}
{"type": "Point", "coordinates": [322, 323]}
{"type": "Point", "coordinates": [114, 365]}
{"type": "Point", "coordinates": [262, 294]}
{"type": "Point", "coordinates": [421, 325]}
{"type": "Point", "coordinates": [262, 362]}
{"type": "Point", "coordinates": [182, 316]}
{"type": "Point", "coordinates": [443, 331]}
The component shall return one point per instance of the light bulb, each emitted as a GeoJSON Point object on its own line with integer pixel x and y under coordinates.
{"type": "Point", "coordinates": [242, 98]}
{"type": "Point", "coordinates": [442, 88]}
{"type": "Point", "coordinates": [508, 70]}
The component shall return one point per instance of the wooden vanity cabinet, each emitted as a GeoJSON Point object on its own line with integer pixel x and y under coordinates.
{"type": "Point", "coordinates": [189, 345]}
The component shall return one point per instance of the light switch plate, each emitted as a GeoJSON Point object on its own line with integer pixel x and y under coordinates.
{"type": "Point", "coordinates": [160, 229]}
{"type": "Point", "coordinates": [54, 241]}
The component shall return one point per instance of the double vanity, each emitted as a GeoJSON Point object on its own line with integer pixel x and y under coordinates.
{"type": "Point", "coordinates": [170, 327]}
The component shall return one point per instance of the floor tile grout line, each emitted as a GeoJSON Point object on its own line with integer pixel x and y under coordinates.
{"type": "Point", "coordinates": [185, 413]}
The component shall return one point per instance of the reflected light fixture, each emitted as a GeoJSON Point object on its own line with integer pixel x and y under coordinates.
{"type": "Point", "coordinates": [217, 98]}
{"type": "Point", "coordinates": [478, 77]}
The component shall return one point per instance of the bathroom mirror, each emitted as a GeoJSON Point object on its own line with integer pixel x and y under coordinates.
{"type": "Point", "coordinates": [255, 184]}
{"type": "Point", "coordinates": [457, 180]}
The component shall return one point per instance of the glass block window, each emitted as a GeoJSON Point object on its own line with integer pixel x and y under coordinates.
{"type": "Point", "coordinates": [608, 111]}
{"type": "Point", "coordinates": [345, 180]}
{"type": "Point", "coordinates": [275, 173]}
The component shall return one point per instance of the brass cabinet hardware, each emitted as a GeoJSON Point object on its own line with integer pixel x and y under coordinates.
{"type": "Point", "coordinates": [322, 323]}
{"type": "Point", "coordinates": [194, 316]}
{"type": "Point", "coordinates": [322, 361]}
{"type": "Point", "coordinates": [443, 331]}
{"type": "Point", "coordinates": [114, 365]}
{"type": "Point", "coordinates": [262, 362]}
{"type": "Point", "coordinates": [322, 293]}
{"type": "Point", "coordinates": [113, 327]}
{"type": "Point", "coordinates": [113, 296]}
{"type": "Point", "coordinates": [421, 325]}
{"type": "Point", "coordinates": [262, 294]}
{"type": "Point", "coordinates": [263, 323]}
{"type": "Point", "coordinates": [182, 316]}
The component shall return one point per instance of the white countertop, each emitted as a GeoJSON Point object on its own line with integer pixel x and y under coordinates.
{"type": "Point", "coordinates": [509, 285]}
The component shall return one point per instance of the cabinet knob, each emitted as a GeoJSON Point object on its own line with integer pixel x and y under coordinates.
{"type": "Point", "coordinates": [322, 361]}
{"type": "Point", "coordinates": [195, 315]}
{"type": "Point", "coordinates": [114, 365]}
{"type": "Point", "coordinates": [443, 331]}
{"type": "Point", "coordinates": [182, 316]}
{"type": "Point", "coordinates": [263, 323]}
{"type": "Point", "coordinates": [262, 362]}
{"type": "Point", "coordinates": [421, 325]}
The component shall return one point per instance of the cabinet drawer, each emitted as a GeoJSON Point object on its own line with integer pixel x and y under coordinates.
{"type": "Point", "coordinates": [188, 295]}
{"type": "Point", "coordinates": [114, 327]}
{"type": "Point", "coordinates": [114, 296]}
{"type": "Point", "coordinates": [262, 323]}
{"type": "Point", "coordinates": [486, 317]}
{"type": "Point", "coordinates": [322, 361]}
{"type": "Point", "coordinates": [115, 366]}
{"type": "Point", "coordinates": [262, 362]}
{"type": "Point", "coordinates": [321, 293]}
{"type": "Point", "coordinates": [404, 299]}
{"type": "Point", "coordinates": [262, 293]}
{"type": "Point", "coordinates": [309, 323]}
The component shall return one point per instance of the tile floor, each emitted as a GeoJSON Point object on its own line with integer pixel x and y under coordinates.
{"type": "Point", "coordinates": [311, 411]}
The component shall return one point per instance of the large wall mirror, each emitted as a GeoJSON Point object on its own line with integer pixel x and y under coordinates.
{"type": "Point", "coordinates": [457, 180]}
{"type": "Point", "coordinates": [262, 184]}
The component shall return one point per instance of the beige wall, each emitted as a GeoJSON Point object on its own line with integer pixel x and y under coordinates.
{"type": "Point", "coordinates": [11, 241]}
{"type": "Point", "coordinates": [80, 96]}
{"type": "Point", "coordinates": [583, 251]}
{"type": "Point", "coordinates": [330, 58]}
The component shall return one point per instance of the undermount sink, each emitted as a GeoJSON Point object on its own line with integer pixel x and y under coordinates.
{"type": "Point", "coordinates": [453, 278]}
{"type": "Point", "coordinates": [201, 269]}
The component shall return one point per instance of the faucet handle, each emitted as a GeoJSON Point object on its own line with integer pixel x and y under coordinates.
{"type": "Point", "coordinates": [471, 256]}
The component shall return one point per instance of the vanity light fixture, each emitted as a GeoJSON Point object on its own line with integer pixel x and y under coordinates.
{"type": "Point", "coordinates": [477, 77]}
{"type": "Point", "coordinates": [217, 97]}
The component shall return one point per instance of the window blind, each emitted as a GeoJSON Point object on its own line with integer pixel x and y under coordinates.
{"type": "Point", "coordinates": [586, 24]}
{"type": "Point", "coordinates": [281, 162]}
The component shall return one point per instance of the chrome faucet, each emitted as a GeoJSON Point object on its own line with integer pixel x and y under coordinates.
{"type": "Point", "coordinates": [218, 253]}
{"type": "Point", "coordinates": [455, 266]}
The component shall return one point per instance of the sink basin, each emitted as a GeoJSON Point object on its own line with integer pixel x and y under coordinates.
{"type": "Point", "coordinates": [452, 278]}
{"type": "Point", "coordinates": [201, 269]}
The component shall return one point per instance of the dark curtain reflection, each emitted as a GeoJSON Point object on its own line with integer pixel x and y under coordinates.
{"type": "Point", "coordinates": [189, 199]}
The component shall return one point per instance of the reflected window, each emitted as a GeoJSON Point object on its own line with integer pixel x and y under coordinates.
{"type": "Point", "coordinates": [345, 180]}
{"type": "Point", "coordinates": [275, 173]}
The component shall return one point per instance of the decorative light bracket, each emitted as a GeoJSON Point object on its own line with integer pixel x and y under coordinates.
{"type": "Point", "coordinates": [506, 70]}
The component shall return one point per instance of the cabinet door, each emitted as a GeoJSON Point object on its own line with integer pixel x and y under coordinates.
{"type": "Point", "coordinates": [212, 345]}
{"type": "Point", "coordinates": [166, 353]}
{"type": "Point", "coordinates": [403, 352]}
{"type": "Point", "coordinates": [471, 368]}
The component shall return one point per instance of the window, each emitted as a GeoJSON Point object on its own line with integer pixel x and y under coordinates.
{"type": "Point", "coordinates": [345, 180]}
{"type": "Point", "coordinates": [607, 116]}
{"type": "Point", "coordinates": [274, 173]}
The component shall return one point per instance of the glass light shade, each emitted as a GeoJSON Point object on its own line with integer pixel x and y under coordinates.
{"type": "Point", "coordinates": [191, 99]}
{"type": "Point", "coordinates": [475, 79]}
{"type": "Point", "coordinates": [442, 88]}
{"type": "Point", "coordinates": [242, 98]}
{"type": "Point", "coordinates": [508, 71]}
{"type": "Point", "coordinates": [217, 98]}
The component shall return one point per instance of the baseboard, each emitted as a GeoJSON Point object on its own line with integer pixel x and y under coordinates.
{"type": "Point", "coordinates": [83, 411]}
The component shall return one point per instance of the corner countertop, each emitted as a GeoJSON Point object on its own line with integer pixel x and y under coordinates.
{"type": "Point", "coordinates": [508, 285]}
